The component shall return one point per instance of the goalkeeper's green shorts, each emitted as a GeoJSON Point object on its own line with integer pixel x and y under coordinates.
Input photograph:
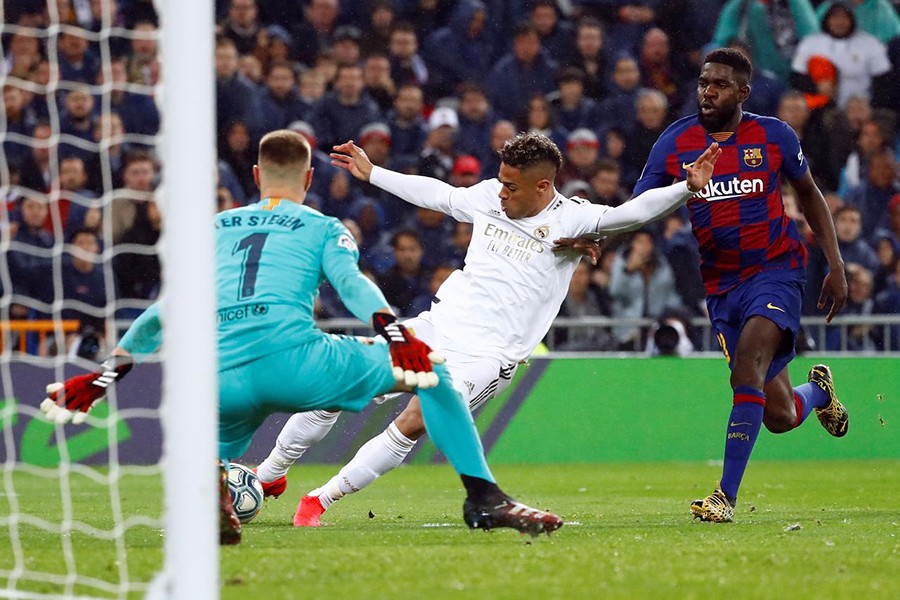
{"type": "Point", "coordinates": [329, 373]}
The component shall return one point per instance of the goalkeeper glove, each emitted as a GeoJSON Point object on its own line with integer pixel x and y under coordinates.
{"type": "Point", "coordinates": [411, 358]}
{"type": "Point", "coordinates": [71, 401]}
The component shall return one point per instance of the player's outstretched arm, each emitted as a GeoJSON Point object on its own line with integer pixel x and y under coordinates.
{"type": "Point", "coordinates": [655, 203]}
{"type": "Point", "coordinates": [834, 286]}
{"type": "Point", "coordinates": [426, 192]}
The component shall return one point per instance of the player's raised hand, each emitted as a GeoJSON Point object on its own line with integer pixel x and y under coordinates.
{"type": "Point", "coordinates": [71, 401]}
{"type": "Point", "coordinates": [834, 290]}
{"type": "Point", "coordinates": [411, 358]}
{"type": "Point", "coordinates": [352, 158]}
{"type": "Point", "coordinates": [699, 173]}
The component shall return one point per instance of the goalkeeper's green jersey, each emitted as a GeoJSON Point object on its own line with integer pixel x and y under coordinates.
{"type": "Point", "coordinates": [271, 258]}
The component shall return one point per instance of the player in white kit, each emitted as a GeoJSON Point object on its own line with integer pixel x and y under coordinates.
{"type": "Point", "coordinates": [490, 315]}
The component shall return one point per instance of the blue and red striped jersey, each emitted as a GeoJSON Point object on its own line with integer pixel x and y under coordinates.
{"type": "Point", "coordinates": [738, 218]}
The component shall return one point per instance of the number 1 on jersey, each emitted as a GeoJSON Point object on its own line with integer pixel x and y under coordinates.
{"type": "Point", "coordinates": [252, 246]}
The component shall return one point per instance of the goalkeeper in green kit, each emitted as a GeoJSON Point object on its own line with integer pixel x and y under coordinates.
{"type": "Point", "coordinates": [271, 258]}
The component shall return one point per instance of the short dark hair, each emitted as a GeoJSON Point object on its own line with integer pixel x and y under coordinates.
{"type": "Point", "coordinates": [530, 149]}
{"type": "Point", "coordinates": [605, 164]}
{"type": "Point", "coordinates": [284, 148]}
{"type": "Point", "coordinates": [569, 75]}
{"type": "Point", "coordinates": [410, 233]}
{"type": "Point", "coordinates": [731, 57]}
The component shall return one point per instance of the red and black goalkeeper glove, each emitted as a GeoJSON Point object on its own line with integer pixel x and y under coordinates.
{"type": "Point", "coordinates": [411, 358]}
{"type": "Point", "coordinates": [71, 401]}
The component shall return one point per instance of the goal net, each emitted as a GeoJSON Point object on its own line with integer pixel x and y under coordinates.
{"type": "Point", "coordinates": [107, 177]}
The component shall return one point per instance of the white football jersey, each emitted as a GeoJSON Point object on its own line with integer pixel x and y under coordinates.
{"type": "Point", "coordinates": [502, 302]}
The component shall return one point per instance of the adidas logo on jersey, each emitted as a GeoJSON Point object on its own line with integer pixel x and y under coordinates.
{"type": "Point", "coordinates": [731, 188]}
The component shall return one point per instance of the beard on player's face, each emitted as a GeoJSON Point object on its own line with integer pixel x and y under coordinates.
{"type": "Point", "coordinates": [714, 116]}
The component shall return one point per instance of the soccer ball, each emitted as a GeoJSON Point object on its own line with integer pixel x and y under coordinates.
{"type": "Point", "coordinates": [246, 492]}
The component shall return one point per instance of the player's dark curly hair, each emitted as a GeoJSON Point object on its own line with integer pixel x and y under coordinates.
{"type": "Point", "coordinates": [731, 57]}
{"type": "Point", "coordinates": [529, 149]}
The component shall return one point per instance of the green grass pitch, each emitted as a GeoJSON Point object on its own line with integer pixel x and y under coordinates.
{"type": "Point", "coordinates": [803, 530]}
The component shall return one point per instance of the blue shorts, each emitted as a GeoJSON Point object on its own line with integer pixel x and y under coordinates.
{"type": "Point", "coordinates": [776, 295]}
{"type": "Point", "coordinates": [328, 373]}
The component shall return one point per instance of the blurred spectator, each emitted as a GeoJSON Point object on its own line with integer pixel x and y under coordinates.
{"type": "Point", "coordinates": [77, 120]}
{"type": "Point", "coordinates": [109, 127]}
{"type": "Point", "coordinates": [590, 57]}
{"type": "Point", "coordinates": [874, 194]}
{"type": "Point", "coordinates": [20, 119]}
{"type": "Point", "coordinates": [439, 275]}
{"type": "Point", "coordinates": [556, 34]}
{"type": "Point", "coordinates": [459, 52]}
{"type": "Point", "coordinates": [860, 60]}
{"type": "Point", "coordinates": [892, 228]}
{"type": "Point", "coordinates": [407, 278]}
{"type": "Point", "coordinates": [23, 54]}
{"type": "Point", "coordinates": [605, 184]}
{"type": "Point", "coordinates": [772, 28]}
{"type": "Point", "coordinates": [671, 335]}
{"type": "Point", "coordinates": [35, 171]}
{"type": "Point", "coordinates": [345, 47]}
{"type": "Point", "coordinates": [144, 50]}
{"type": "Point", "coordinates": [572, 109]}
{"type": "Point", "coordinates": [312, 88]}
{"type": "Point", "coordinates": [251, 68]}
{"type": "Point", "coordinates": [854, 249]}
{"type": "Point", "coordinates": [39, 101]}
{"type": "Point", "coordinates": [242, 25]}
{"type": "Point", "coordinates": [632, 19]}
{"type": "Point", "coordinates": [239, 153]}
{"type": "Point", "coordinates": [888, 253]}
{"type": "Point", "coordinates": [870, 140]}
{"type": "Point", "coordinates": [641, 285]}
{"type": "Point", "coordinates": [578, 188]}
{"type": "Point", "coordinates": [279, 102]}
{"type": "Point", "coordinates": [313, 34]}
{"type": "Point", "coordinates": [137, 270]}
{"type": "Point", "coordinates": [376, 37]}
{"type": "Point", "coordinates": [680, 248]}
{"type": "Point", "coordinates": [340, 114]}
{"type": "Point", "coordinates": [582, 151]}
{"type": "Point", "coordinates": [662, 71]}
{"type": "Point", "coordinates": [888, 302]}
{"type": "Point", "coordinates": [651, 108]}
{"type": "Point", "coordinates": [459, 244]}
{"type": "Point", "coordinates": [137, 111]}
{"type": "Point", "coordinates": [583, 301]}
{"type": "Point", "coordinates": [436, 159]}
{"type": "Point", "coordinates": [876, 17]}
{"type": "Point", "coordinates": [237, 98]}
{"type": "Point", "coordinates": [375, 140]}
{"type": "Point", "coordinates": [434, 229]}
{"type": "Point", "coordinates": [83, 280]}
{"type": "Point", "coordinates": [618, 108]}
{"type": "Point", "coordinates": [407, 66]}
{"type": "Point", "coordinates": [767, 88]}
{"type": "Point", "coordinates": [466, 171]}
{"type": "Point", "coordinates": [538, 118]}
{"type": "Point", "coordinates": [81, 209]}
{"type": "Point", "coordinates": [378, 82]}
{"type": "Point", "coordinates": [76, 61]}
{"type": "Point", "coordinates": [139, 178]}
{"type": "Point", "coordinates": [475, 120]}
{"type": "Point", "coordinates": [501, 132]}
{"type": "Point", "coordinates": [859, 303]}
{"type": "Point", "coordinates": [523, 73]}
{"type": "Point", "coordinates": [31, 266]}
{"type": "Point", "coordinates": [408, 130]}
{"type": "Point", "coordinates": [329, 181]}
{"type": "Point", "coordinates": [275, 46]}
{"type": "Point", "coordinates": [823, 154]}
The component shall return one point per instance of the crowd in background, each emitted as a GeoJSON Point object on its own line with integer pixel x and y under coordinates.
{"type": "Point", "coordinates": [435, 87]}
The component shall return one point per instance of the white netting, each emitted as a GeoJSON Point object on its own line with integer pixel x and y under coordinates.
{"type": "Point", "coordinates": [80, 511]}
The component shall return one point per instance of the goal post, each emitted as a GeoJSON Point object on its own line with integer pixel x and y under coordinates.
{"type": "Point", "coordinates": [190, 405]}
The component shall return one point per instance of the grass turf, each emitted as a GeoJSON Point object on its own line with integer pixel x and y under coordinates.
{"type": "Point", "coordinates": [803, 530]}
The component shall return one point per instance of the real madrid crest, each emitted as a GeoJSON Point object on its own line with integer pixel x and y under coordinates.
{"type": "Point", "coordinates": [542, 232]}
{"type": "Point", "coordinates": [753, 157]}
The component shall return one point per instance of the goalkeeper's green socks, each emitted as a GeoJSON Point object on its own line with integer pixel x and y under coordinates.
{"type": "Point", "coordinates": [450, 426]}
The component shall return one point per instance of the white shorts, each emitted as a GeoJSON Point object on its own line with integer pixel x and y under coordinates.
{"type": "Point", "coordinates": [478, 378]}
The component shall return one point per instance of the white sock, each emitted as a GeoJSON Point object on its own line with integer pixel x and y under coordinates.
{"type": "Point", "coordinates": [376, 457]}
{"type": "Point", "coordinates": [302, 431]}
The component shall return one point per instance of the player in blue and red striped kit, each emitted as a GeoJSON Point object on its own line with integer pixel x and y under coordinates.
{"type": "Point", "coordinates": [752, 262]}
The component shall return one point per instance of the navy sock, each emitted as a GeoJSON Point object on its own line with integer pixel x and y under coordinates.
{"type": "Point", "coordinates": [807, 397]}
{"type": "Point", "coordinates": [743, 429]}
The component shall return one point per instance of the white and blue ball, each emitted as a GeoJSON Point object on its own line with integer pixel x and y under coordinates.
{"type": "Point", "coordinates": [246, 492]}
